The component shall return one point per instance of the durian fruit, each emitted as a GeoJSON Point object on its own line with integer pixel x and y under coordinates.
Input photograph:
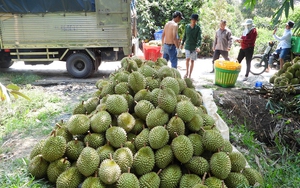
{"type": "Point", "coordinates": [78, 124]}
{"type": "Point", "coordinates": [236, 179]}
{"type": "Point", "coordinates": [100, 121]}
{"type": "Point", "coordinates": [116, 104]}
{"type": "Point", "coordinates": [109, 171]}
{"type": "Point", "coordinates": [196, 140]}
{"type": "Point", "coordinates": [93, 181]}
{"type": "Point", "coordinates": [167, 100]}
{"type": "Point", "coordinates": [127, 180]}
{"type": "Point", "coordinates": [116, 136]}
{"type": "Point", "coordinates": [74, 148]}
{"type": "Point", "coordinates": [213, 182]}
{"type": "Point", "coordinates": [253, 176]}
{"type": "Point", "coordinates": [182, 148]}
{"type": "Point", "coordinates": [54, 147]}
{"type": "Point", "coordinates": [148, 71]}
{"type": "Point", "coordinates": [88, 161]}
{"type": "Point", "coordinates": [158, 137]}
{"type": "Point", "coordinates": [126, 121]}
{"type": "Point", "coordinates": [220, 165]}
{"type": "Point", "coordinates": [196, 123]}
{"type": "Point", "coordinates": [185, 110]}
{"type": "Point", "coordinates": [136, 81]}
{"type": "Point", "coordinates": [177, 125]}
{"type": "Point", "coordinates": [201, 185]}
{"type": "Point", "coordinates": [70, 178]}
{"type": "Point", "coordinates": [164, 156]}
{"type": "Point", "coordinates": [105, 151]}
{"type": "Point", "coordinates": [38, 166]}
{"type": "Point", "coordinates": [212, 140]}
{"type": "Point", "coordinates": [143, 161]}
{"type": "Point", "coordinates": [189, 180]}
{"type": "Point", "coordinates": [95, 140]}
{"type": "Point", "coordinates": [124, 158]}
{"type": "Point", "coordinates": [238, 161]}
{"type": "Point", "coordinates": [142, 139]}
{"type": "Point", "coordinates": [91, 104]}
{"type": "Point", "coordinates": [37, 149]}
{"type": "Point", "coordinates": [198, 165]}
{"type": "Point", "coordinates": [143, 94]}
{"type": "Point", "coordinates": [121, 88]}
{"type": "Point", "coordinates": [170, 176]}
{"type": "Point", "coordinates": [142, 108]}
{"type": "Point", "coordinates": [156, 117]}
{"type": "Point", "coordinates": [56, 168]}
{"type": "Point", "coordinates": [150, 180]}
{"type": "Point", "coordinates": [79, 109]}
{"type": "Point", "coordinates": [170, 82]}
{"type": "Point", "coordinates": [61, 130]}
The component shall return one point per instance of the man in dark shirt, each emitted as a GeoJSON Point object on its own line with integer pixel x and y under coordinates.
{"type": "Point", "coordinates": [192, 39]}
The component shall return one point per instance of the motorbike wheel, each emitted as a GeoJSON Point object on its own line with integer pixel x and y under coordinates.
{"type": "Point", "coordinates": [258, 65]}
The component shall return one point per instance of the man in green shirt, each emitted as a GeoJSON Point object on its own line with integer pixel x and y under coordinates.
{"type": "Point", "coordinates": [192, 39]}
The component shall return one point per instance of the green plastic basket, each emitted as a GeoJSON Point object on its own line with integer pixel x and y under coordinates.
{"type": "Point", "coordinates": [226, 78]}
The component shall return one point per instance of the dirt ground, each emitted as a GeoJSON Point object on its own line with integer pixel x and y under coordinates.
{"type": "Point", "coordinates": [249, 108]}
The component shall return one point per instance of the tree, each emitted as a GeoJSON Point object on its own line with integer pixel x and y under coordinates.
{"type": "Point", "coordinates": [154, 14]}
{"type": "Point", "coordinates": [284, 9]}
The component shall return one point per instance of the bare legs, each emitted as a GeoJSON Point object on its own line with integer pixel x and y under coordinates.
{"type": "Point", "coordinates": [189, 69]}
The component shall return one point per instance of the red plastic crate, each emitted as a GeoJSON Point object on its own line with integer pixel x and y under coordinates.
{"type": "Point", "coordinates": [151, 52]}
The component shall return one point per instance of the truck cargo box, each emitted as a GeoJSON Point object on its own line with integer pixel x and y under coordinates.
{"type": "Point", "coordinates": [44, 6]}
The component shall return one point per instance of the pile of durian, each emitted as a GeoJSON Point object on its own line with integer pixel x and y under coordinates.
{"type": "Point", "coordinates": [144, 127]}
{"type": "Point", "coordinates": [288, 75]}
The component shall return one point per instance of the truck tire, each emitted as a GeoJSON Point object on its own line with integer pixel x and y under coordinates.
{"type": "Point", "coordinates": [6, 62]}
{"type": "Point", "coordinates": [79, 65]}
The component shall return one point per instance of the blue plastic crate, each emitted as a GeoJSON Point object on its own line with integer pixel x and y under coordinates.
{"type": "Point", "coordinates": [158, 34]}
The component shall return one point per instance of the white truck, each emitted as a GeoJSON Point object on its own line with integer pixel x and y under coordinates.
{"type": "Point", "coordinates": [81, 32]}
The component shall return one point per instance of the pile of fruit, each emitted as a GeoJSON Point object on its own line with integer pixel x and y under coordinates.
{"type": "Point", "coordinates": [144, 127]}
{"type": "Point", "coordinates": [289, 74]}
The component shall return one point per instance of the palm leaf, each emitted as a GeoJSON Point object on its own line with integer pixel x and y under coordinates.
{"type": "Point", "coordinates": [14, 93]}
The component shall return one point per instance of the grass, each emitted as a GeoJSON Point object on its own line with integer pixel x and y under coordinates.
{"type": "Point", "coordinates": [20, 78]}
{"type": "Point", "coordinates": [23, 119]}
{"type": "Point", "coordinates": [278, 164]}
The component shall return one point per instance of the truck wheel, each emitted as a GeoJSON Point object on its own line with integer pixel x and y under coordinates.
{"type": "Point", "coordinates": [79, 65]}
{"type": "Point", "coordinates": [5, 62]}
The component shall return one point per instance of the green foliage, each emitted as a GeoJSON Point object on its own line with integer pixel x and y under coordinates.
{"type": "Point", "coordinates": [154, 14]}
{"type": "Point", "coordinates": [14, 90]}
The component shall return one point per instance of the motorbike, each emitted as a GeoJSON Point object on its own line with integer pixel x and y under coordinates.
{"type": "Point", "coordinates": [259, 62]}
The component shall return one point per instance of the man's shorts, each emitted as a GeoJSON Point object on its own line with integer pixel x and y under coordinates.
{"type": "Point", "coordinates": [283, 52]}
{"type": "Point", "coordinates": [191, 54]}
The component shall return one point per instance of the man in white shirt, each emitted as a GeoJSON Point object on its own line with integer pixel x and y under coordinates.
{"type": "Point", "coordinates": [285, 44]}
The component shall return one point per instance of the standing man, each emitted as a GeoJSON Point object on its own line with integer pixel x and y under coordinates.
{"type": "Point", "coordinates": [192, 37]}
{"type": "Point", "coordinates": [170, 39]}
{"type": "Point", "coordinates": [247, 42]}
{"type": "Point", "coordinates": [222, 43]}
{"type": "Point", "coordinates": [285, 44]}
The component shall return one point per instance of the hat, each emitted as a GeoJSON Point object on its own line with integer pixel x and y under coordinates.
{"type": "Point", "coordinates": [194, 17]}
{"type": "Point", "coordinates": [290, 24]}
{"type": "Point", "coordinates": [248, 22]}
{"type": "Point", "coordinates": [178, 13]}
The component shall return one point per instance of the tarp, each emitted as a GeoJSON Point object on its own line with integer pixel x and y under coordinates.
{"type": "Point", "coordinates": [44, 6]}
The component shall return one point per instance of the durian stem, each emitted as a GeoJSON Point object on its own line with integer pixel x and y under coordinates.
{"type": "Point", "coordinates": [223, 185]}
{"type": "Point", "coordinates": [110, 156]}
{"type": "Point", "coordinates": [128, 170]}
{"type": "Point", "coordinates": [65, 159]}
{"type": "Point", "coordinates": [58, 125]}
{"type": "Point", "coordinates": [89, 132]}
{"type": "Point", "coordinates": [203, 178]}
{"type": "Point", "coordinates": [212, 126]}
{"type": "Point", "coordinates": [53, 133]}
{"type": "Point", "coordinates": [87, 144]}
{"type": "Point", "coordinates": [176, 134]}
{"type": "Point", "coordinates": [159, 171]}
{"type": "Point", "coordinates": [76, 140]}
{"type": "Point", "coordinates": [203, 129]}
